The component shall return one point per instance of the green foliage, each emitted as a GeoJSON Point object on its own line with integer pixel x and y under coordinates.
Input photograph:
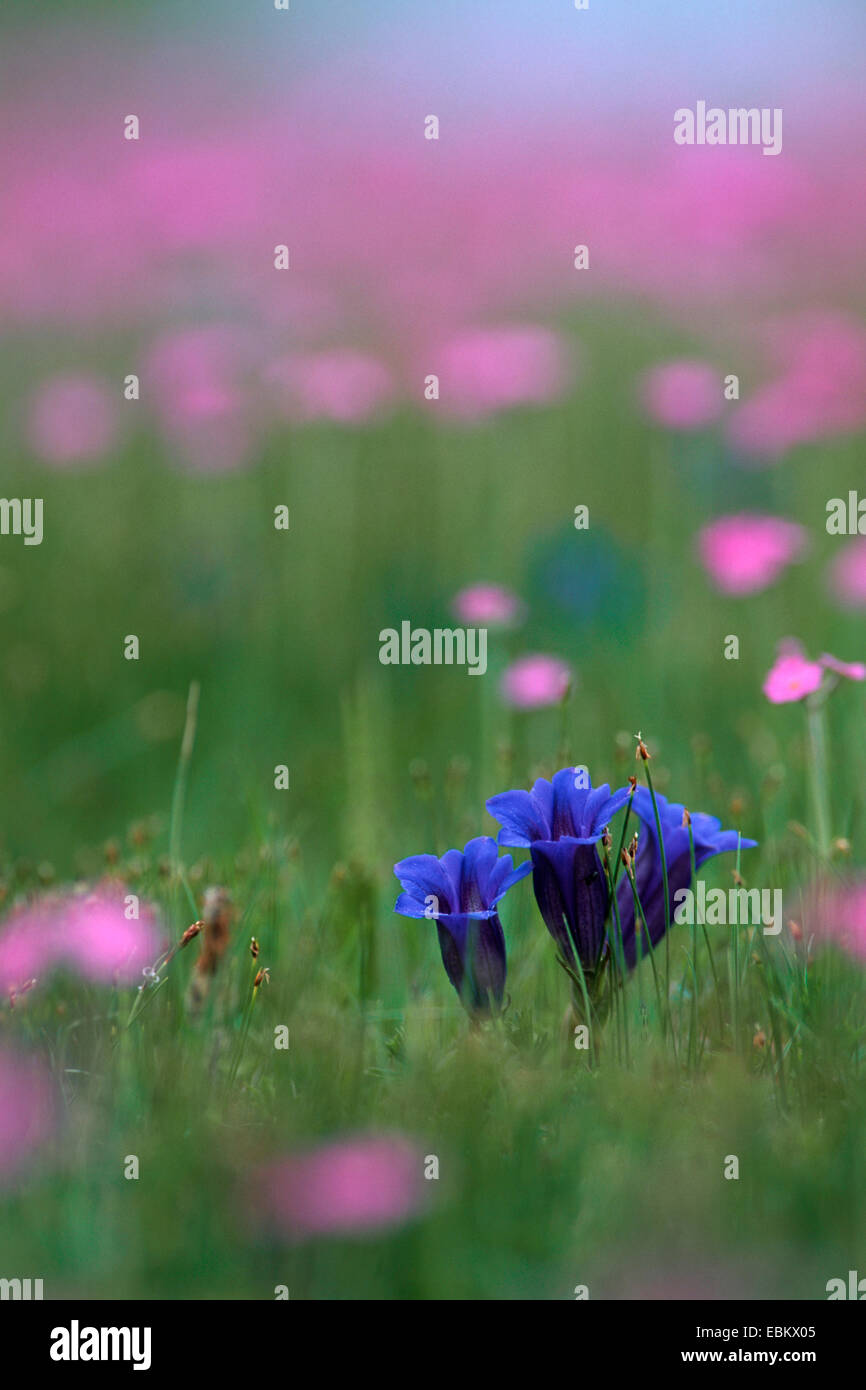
{"type": "Point", "coordinates": [555, 1172]}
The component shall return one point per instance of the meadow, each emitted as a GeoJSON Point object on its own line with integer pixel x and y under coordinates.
{"type": "Point", "coordinates": [237, 1122]}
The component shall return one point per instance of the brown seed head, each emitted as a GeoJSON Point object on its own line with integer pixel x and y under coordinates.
{"type": "Point", "coordinates": [190, 933]}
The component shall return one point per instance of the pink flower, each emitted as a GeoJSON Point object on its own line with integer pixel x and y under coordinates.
{"type": "Point", "coordinates": [793, 676]}
{"type": "Point", "coordinates": [488, 604]}
{"type": "Point", "coordinates": [820, 391]}
{"type": "Point", "coordinates": [534, 681]}
{"type": "Point", "coordinates": [744, 554]}
{"type": "Point", "coordinates": [90, 935]}
{"type": "Point", "coordinates": [826, 348]}
{"type": "Point", "coordinates": [354, 1186]}
{"type": "Point", "coordinates": [847, 576]}
{"type": "Point", "coordinates": [72, 419]}
{"type": "Point", "coordinates": [199, 379]}
{"type": "Point", "coordinates": [488, 370]}
{"type": "Point", "coordinates": [26, 1111]}
{"type": "Point", "coordinates": [340, 385]}
{"type": "Point", "coordinates": [102, 944]}
{"type": "Point", "coordinates": [838, 914]}
{"type": "Point", "coordinates": [783, 414]}
{"type": "Point", "coordinates": [851, 670]}
{"type": "Point", "coordinates": [683, 395]}
{"type": "Point", "coordinates": [27, 949]}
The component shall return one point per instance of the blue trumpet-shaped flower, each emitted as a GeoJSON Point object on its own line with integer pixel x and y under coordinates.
{"type": "Point", "coordinates": [561, 822]}
{"type": "Point", "coordinates": [709, 840]}
{"type": "Point", "coordinates": [460, 892]}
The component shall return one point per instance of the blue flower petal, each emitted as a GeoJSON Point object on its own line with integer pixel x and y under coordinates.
{"type": "Point", "coordinates": [504, 875]}
{"type": "Point", "coordinates": [422, 876]}
{"type": "Point", "coordinates": [572, 895]}
{"type": "Point", "coordinates": [408, 906]}
{"type": "Point", "coordinates": [524, 816]}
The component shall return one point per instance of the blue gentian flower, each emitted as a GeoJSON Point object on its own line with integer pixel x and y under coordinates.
{"type": "Point", "coordinates": [460, 892]}
{"type": "Point", "coordinates": [709, 840]}
{"type": "Point", "coordinates": [561, 822]}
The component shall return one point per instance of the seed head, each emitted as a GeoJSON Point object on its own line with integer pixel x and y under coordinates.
{"type": "Point", "coordinates": [190, 932]}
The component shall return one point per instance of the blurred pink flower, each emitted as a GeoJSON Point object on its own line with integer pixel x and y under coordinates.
{"type": "Point", "coordinates": [486, 370]}
{"type": "Point", "coordinates": [340, 385]}
{"type": "Point", "coordinates": [353, 1186]}
{"type": "Point", "coordinates": [820, 391]}
{"type": "Point", "coordinates": [838, 914]}
{"type": "Point", "coordinates": [682, 395]}
{"type": "Point", "coordinates": [27, 949]}
{"type": "Point", "coordinates": [851, 670]}
{"type": "Point", "coordinates": [783, 414]}
{"type": "Point", "coordinates": [847, 575]}
{"type": "Point", "coordinates": [102, 944]}
{"type": "Point", "coordinates": [745, 553]}
{"type": "Point", "coordinates": [489, 604]}
{"type": "Point", "coordinates": [72, 419]}
{"type": "Point", "coordinates": [26, 1111]}
{"type": "Point", "coordinates": [90, 935]}
{"type": "Point", "coordinates": [793, 676]}
{"type": "Point", "coordinates": [824, 349]}
{"type": "Point", "coordinates": [536, 680]}
{"type": "Point", "coordinates": [200, 379]}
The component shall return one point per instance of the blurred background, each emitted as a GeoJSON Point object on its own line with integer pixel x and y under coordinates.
{"type": "Point", "coordinates": [306, 387]}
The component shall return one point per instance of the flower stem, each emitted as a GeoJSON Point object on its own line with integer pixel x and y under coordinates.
{"type": "Point", "coordinates": [179, 794]}
{"type": "Point", "coordinates": [658, 822]}
{"type": "Point", "coordinates": [818, 773]}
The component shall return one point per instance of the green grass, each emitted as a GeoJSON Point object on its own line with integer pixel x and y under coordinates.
{"type": "Point", "coordinates": [554, 1172]}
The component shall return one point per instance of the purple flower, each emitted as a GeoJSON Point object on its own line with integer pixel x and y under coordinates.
{"type": "Point", "coordinates": [460, 892]}
{"type": "Point", "coordinates": [709, 840]}
{"type": "Point", "coordinates": [560, 822]}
